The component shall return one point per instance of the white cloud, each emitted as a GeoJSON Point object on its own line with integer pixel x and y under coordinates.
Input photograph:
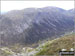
{"type": "Point", "coordinates": [16, 5]}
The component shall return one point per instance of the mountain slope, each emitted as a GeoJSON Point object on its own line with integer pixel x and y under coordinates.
{"type": "Point", "coordinates": [53, 47]}
{"type": "Point", "coordinates": [33, 24]}
{"type": "Point", "coordinates": [48, 23]}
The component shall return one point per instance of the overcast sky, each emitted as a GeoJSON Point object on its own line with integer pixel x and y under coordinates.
{"type": "Point", "coordinates": [18, 5]}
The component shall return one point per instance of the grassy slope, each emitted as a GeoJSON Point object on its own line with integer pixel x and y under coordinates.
{"type": "Point", "coordinates": [54, 46]}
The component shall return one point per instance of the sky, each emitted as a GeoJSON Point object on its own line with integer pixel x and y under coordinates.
{"type": "Point", "coordinates": [18, 5]}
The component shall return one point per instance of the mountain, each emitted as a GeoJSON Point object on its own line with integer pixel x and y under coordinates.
{"type": "Point", "coordinates": [53, 47]}
{"type": "Point", "coordinates": [30, 25]}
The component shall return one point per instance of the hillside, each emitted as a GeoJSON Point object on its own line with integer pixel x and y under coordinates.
{"type": "Point", "coordinates": [50, 47]}
{"type": "Point", "coordinates": [30, 25]}
{"type": "Point", "coordinates": [53, 47]}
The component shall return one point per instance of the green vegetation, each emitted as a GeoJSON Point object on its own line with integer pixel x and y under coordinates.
{"type": "Point", "coordinates": [6, 51]}
{"type": "Point", "coordinates": [54, 46]}
{"type": "Point", "coordinates": [50, 47]}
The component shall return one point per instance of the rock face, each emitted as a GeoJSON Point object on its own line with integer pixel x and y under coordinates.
{"type": "Point", "coordinates": [33, 24]}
